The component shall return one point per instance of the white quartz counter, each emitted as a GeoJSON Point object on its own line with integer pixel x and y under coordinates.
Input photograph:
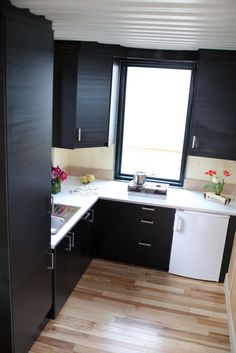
{"type": "Point", "coordinates": [75, 194]}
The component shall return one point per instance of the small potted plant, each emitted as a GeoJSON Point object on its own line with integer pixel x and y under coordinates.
{"type": "Point", "coordinates": [57, 176]}
{"type": "Point", "coordinates": [217, 185]}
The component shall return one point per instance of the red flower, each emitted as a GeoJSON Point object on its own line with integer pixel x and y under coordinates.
{"type": "Point", "coordinates": [217, 184]}
{"type": "Point", "coordinates": [63, 176]}
{"type": "Point", "coordinates": [226, 173]}
{"type": "Point", "coordinates": [211, 172]}
{"type": "Point", "coordinates": [57, 174]}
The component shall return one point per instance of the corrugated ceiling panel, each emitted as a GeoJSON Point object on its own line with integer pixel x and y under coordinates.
{"type": "Point", "coordinates": [162, 24]}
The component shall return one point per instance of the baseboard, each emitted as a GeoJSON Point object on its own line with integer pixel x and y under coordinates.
{"type": "Point", "coordinates": [232, 337]}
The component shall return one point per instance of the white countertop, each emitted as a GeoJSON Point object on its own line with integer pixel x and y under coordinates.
{"type": "Point", "coordinates": [76, 194]}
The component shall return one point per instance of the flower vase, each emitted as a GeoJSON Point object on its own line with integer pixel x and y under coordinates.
{"type": "Point", "coordinates": [56, 186]}
{"type": "Point", "coordinates": [211, 195]}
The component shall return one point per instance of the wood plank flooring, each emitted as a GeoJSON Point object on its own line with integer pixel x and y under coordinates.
{"type": "Point", "coordinates": [118, 308]}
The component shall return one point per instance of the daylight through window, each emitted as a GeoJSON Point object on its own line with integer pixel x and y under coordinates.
{"type": "Point", "coordinates": [154, 121]}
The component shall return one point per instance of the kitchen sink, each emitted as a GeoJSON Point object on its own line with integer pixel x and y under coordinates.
{"type": "Point", "coordinates": [56, 224]}
{"type": "Point", "coordinates": [60, 215]}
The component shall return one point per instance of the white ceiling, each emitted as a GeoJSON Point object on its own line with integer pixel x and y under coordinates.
{"type": "Point", "coordinates": [157, 24]}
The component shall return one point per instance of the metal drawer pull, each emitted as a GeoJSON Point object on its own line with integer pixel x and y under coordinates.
{"type": "Point", "coordinates": [72, 235]}
{"type": "Point", "coordinates": [51, 267]}
{"type": "Point", "coordinates": [194, 142]}
{"type": "Point", "coordinates": [79, 135]}
{"type": "Point", "coordinates": [146, 222]}
{"type": "Point", "coordinates": [70, 243]}
{"type": "Point", "coordinates": [141, 243]}
{"type": "Point", "coordinates": [92, 216]}
{"type": "Point", "coordinates": [148, 209]}
{"type": "Point", "coordinates": [86, 216]}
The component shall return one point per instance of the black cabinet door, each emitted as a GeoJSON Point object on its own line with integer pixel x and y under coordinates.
{"type": "Point", "coordinates": [61, 281]}
{"type": "Point", "coordinates": [31, 298]}
{"type": "Point", "coordinates": [83, 248]}
{"type": "Point", "coordinates": [65, 94]}
{"type": "Point", "coordinates": [29, 116]}
{"type": "Point", "coordinates": [82, 94]}
{"type": "Point", "coordinates": [72, 256]}
{"type": "Point", "coordinates": [26, 61]}
{"type": "Point", "coordinates": [93, 100]}
{"type": "Point", "coordinates": [214, 111]}
{"type": "Point", "coordinates": [77, 255]}
{"type": "Point", "coordinates": [109, 238]}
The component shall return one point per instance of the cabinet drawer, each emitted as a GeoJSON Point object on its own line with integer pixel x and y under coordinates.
{"type": "Point", "coordinates": [150, 250]}
{"type": "Point", "coordinates": [146, 231]}
{"type": "Point", "coordinates": [133, 233]}
{"type": "Point", "coordinates": [140, 211]}
{"type": "Point", "coordinates": [147, 218]}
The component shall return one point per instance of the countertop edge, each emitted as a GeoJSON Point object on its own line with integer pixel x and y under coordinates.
{"type": "Point", "coordinates": [108, 191]}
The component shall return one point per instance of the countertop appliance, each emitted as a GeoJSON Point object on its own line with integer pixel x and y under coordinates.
{"type": "Point", "coordinates": [139, 178]}
{"type": "Point", "coordinates": [148, 188]}
{"type": "Point", "coordinates": [198, 244]}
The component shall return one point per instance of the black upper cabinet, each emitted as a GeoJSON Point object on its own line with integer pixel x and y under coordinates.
{"type": "Point", "coordinates": [214, 110]}
{"type": "Point", "coordinates": [93, 100]}
{"type": "Point", "coordinates": [65, 94]}
{"type": "Point", "coordinates": [82, 95]}
{"type": "Point", "coordinates": [26, 73]}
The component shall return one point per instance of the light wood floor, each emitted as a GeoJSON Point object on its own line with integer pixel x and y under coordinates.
{"type": "Point", "coordinates": [118, 308]}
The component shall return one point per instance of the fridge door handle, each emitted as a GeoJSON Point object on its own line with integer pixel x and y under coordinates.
{"type": "Point", "coordinates": [178, 224]}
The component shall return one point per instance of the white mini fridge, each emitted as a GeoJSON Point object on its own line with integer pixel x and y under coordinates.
{"type": "Point", "coordinates": [198, 244]}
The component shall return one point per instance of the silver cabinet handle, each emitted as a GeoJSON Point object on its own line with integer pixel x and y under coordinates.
{"type": "Point", "coordinates": [92, 216]}
{"type": "Point", "coordinates": [86, 216]}
{"type": "Point", "coordinates": [51, 267]}
{"type": "Point", "coordinates": [89, 216]}
{"type": "Point", "coordinates": [72, 235]}
{"type": "Point", "coordinates": [52, 205]}
{"type": "Point", "coordinates": [69, 244]}
{"type": "Point", "coordinates": [79, 134]}
{"type": "Point", "coordinates": [194, 142]}
{"type": "Point", "coordinates": [141, 243]}
{"type": "Point", "coordinates": [146, 222]}
{"type": "Point", "coordinates": [148, 209]}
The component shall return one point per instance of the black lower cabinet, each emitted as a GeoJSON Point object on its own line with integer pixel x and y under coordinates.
{"type": "Point", "coordinates": [85, 229]}
{"type": "Point", "coordinates": [71, 258]}
{"type": "Point", "coordinates": [60, 288]}
{"type": "Point", "coordinates": [31, 301]}
{"type": "Point", "coordinates": [133, 233]}
{"type": "Point", "coordinates": [110, 239]}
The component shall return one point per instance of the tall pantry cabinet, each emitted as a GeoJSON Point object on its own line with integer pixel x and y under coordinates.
{"type": "Point", "coordinates": [26, 57]}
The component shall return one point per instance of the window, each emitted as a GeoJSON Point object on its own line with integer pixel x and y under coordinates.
{"type": "Point", "coordinates": [153, 121]}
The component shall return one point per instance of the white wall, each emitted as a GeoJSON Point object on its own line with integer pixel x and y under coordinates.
{"type": "Point", "coordinates": [100, 157]}
{"type": "Point", "coordinates": [104, 158]}
{"type": "Point", "coordinates": [196, 167]}
{"type": "Point", "coordinates": [60, 157]}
